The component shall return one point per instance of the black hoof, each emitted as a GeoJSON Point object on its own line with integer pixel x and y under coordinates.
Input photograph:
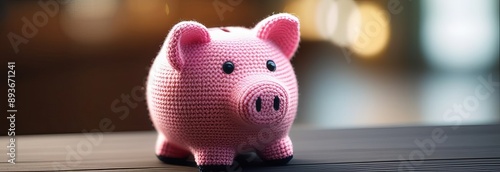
{"type": "Point", "coordinates": [275, 162]}
{"type": "Point", "coordinates": [213, 168]}
{"type": "Point", "coordinates": [248, 159]}
{"type": "Point", "coordinates": [175, 161]}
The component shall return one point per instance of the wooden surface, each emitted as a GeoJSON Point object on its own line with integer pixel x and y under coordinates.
{"type": "Point", "coordinates": [468, 148]}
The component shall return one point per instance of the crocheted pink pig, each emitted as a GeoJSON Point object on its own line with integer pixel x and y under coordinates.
{"type": "Point", "coordinates": [218, 92]}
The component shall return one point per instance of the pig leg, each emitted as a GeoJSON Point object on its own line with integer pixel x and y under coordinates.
{"type": "Point", "coordinates": [278, 152]}
{"type": "Point", "coordinates": [214, 158]}
{"type": "Point", "coordinates": [170, 153]}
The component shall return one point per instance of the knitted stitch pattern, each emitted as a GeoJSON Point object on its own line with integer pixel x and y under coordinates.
{"type": "Point", "coordinates": [200, 109]}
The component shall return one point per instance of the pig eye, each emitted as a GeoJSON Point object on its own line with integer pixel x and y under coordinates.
{"type": "Point", "coordinates": [228, 67]}
{"type": "Point", "coordinates": [271, 65]}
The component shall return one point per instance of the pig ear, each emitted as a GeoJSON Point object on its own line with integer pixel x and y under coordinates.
{"type": "Point", "coordinates": [281, 29]}
{"type": "Point", "coordinates": [181, 37]}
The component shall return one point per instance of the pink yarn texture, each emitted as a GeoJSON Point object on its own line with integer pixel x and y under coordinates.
{"type": "Point", "coordinates": [199, 109]}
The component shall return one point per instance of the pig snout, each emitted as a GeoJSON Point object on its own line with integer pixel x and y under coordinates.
{"type": "Point", "coordinates": [260, 102]}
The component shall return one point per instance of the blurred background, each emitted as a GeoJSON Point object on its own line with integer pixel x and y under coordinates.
{"type": "Point", "coordinates": [384, 63]}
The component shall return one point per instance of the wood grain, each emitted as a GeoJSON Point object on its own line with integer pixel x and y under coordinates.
{"type": "Point", "coordinates": [468, 148]}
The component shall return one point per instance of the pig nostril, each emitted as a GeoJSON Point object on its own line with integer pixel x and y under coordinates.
{"type": "Point", "coordinates": [276, 103]}
{"type": "Point", "coordinates": [258, 104]}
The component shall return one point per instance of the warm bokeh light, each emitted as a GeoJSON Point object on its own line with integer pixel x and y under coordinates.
{"type": "Point", "coordinates": [318, 17]}
{"type": "Point", "coordinates": [91, 9]}
{"type": "Point", "coordinates": [327, 17]}
{"type": "Point", "coordinates": [373, 34]}
{"type": "Point", "coordinates": [143, 7]}
{"type": "Point", "coordinates": [146, 14]}
{"type": "Point", "coordinates": [460, 34]}
{"type": "Point", "coordinates": [89, 21]}
{"type": "Point", "coordinates": [167, 9]}
{"type": "Point", "coordinates": [349, 18]}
